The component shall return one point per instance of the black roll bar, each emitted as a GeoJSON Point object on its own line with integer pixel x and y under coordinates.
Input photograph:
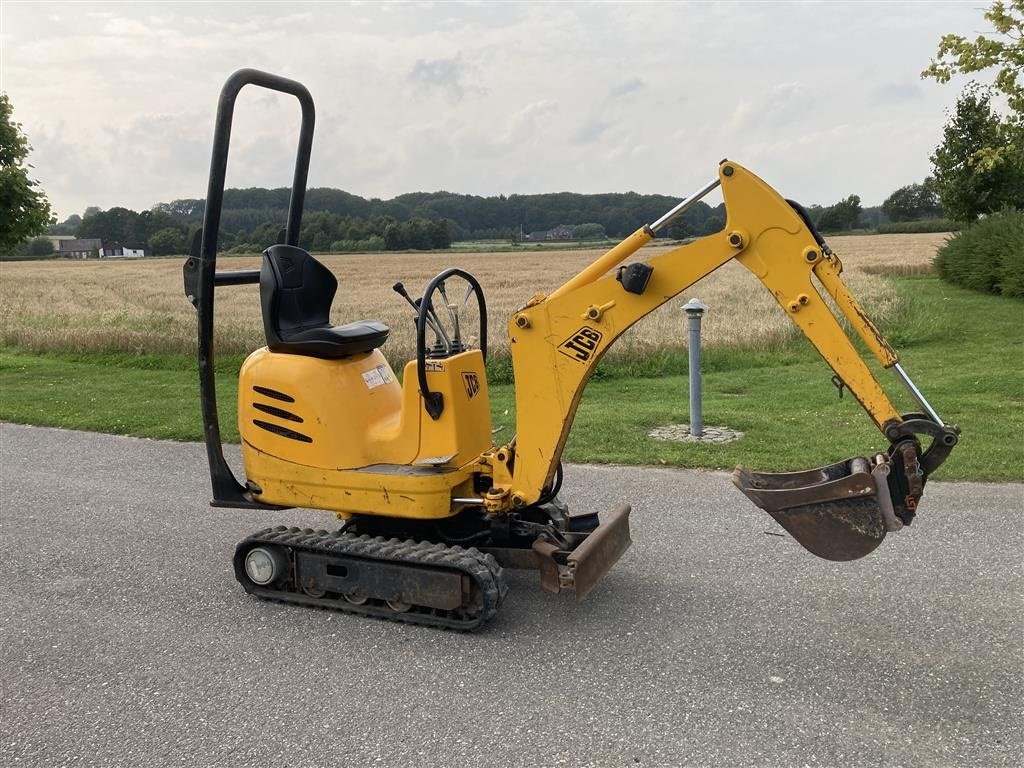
{"type": "Point", "coordinates": [202, 278]}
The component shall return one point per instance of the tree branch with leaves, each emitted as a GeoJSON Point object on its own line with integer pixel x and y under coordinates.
{"type": "Point", "coordinates": [959, 56]}
{"type": "Point", "coordinates": [24, 209]}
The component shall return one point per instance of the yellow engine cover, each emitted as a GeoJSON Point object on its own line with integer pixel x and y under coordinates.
{"type": "Point", "coordinates": [344, 435]}
{"type": "Point", "coordinates": [329, 414]}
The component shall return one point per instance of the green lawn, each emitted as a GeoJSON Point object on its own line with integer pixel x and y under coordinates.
{"type": "Point", "coordinates": [964, 350]}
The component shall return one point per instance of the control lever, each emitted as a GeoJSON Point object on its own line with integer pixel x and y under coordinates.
{"type": "Point", "coordinates": [431, 316]}
{"type": "Point", "coordinates": [400, 290]}
{"type": "Point", "coordinates": [453, 312]}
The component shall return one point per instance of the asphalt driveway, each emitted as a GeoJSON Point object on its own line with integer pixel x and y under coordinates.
{"type": "Point", "coordinates": [125, 641]}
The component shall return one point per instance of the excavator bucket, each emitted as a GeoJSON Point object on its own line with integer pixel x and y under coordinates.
{"type": "Point", "coordinates": [838, 512]}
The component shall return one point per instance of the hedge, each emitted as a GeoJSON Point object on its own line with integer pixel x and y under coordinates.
{"type": "Point", "coordinates": [915, 227]}
{"type": "Point", "coordinates": [988, 256]}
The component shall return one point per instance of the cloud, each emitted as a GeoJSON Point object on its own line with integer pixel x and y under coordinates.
{"type": "Point", "coordinates": [524, 125]}
{"type": "Point", "coordinates": [778, 107]}
{"type": "Point", "coordinates": [445, 76]}
{"type": "Point", "coordinates": [607, 114]}
{"type": "Point", "coordinates": [632, 85]}
{"type": "Point", "coordinates": [591, 130]}
{"type": "Point", "coordinates": [133, 163]}
{"type": "Point", "coordinates": [897, 93]}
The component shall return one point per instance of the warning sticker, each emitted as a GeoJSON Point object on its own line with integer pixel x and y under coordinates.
{"type": "Point", "coordinates": [378, 376]}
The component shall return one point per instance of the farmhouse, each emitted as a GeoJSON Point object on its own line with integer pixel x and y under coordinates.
{"type": "Point", "coordinates": [561, 232]}
{"type": "Point", "coordinates": [95, 248]}
{"type": "Point", "coordinates": [119, 251]}
{"type": "Point", "coordinates": [56, 240]}
{"type": "Point", "coordinates": [79, 249]}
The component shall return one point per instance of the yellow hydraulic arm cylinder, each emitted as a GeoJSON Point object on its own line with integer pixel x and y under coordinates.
{"type": "Point", "coordinates": [557, 340]}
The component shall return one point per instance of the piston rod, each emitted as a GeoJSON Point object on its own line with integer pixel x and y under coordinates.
{"type": "Point", "coordinates": [916, 393]}
{"type": "Point", "coordinates": [684, 205]}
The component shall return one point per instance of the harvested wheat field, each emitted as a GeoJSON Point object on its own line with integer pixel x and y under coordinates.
{"type": "Point", "coordinates": [139, 306]}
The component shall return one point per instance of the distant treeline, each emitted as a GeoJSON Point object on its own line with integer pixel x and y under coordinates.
{"type": "Point", "coordinates": [335, 220]}
{"type": "Point", "coordinates": [334, 216]}
{"type": "Point", "coordinates": [470, 217]}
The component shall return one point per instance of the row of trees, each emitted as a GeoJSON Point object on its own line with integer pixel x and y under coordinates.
{"type": "Point", "coordinates": [500, 217]}
{"type": "Point", "coordinates": [168, 228]}
{"type": "Point", "coordinates": [321, 231]}
{"type": "Point", "coordinates": [914, 202]}
{"type": "Point", "coordinates": [472, 217]}
{"type": "Point", "coordinates": [469, 217]}
{"type": "Point", "coordinates": [126, 226]}
{"type": "Point", "coordinates": [410, 222]}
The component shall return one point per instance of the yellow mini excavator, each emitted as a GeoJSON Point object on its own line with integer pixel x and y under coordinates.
{"type": "Point", "coordinates": [432, 508]}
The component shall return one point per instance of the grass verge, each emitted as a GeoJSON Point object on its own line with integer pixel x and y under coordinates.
{"type": "Point", "coordinates": [964, 350]}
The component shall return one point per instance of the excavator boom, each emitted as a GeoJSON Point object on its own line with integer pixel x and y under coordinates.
{"type": "Point", "coordinates": [839, 512]}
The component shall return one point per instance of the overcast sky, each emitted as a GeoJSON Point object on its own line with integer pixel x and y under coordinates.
{"type": "Point", "coordinates": [822, 100]}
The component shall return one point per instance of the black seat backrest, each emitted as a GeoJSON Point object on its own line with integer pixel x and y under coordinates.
{"type": "Point", "coordinates": [296, 292]}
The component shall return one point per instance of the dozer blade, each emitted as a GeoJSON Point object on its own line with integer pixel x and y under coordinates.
{"type": "Point", "coordinates": [838, 512]}
{"type": "Point", "coordinates": [581, 568]}
{"type": "Point", "coordinates": [600, 551]}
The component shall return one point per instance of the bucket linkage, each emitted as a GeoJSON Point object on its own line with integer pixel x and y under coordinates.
{"type": "Point", "coordinates": [843, 511]}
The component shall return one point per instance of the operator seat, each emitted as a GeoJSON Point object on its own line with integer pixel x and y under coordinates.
{"type": "Point", "coordinates": [296, 292]}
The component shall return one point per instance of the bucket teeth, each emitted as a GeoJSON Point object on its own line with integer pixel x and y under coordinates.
{"type": "Point", "coordinates": [832, 511]}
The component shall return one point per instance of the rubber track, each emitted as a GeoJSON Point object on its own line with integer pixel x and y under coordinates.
{"type": "Point", "coordinates": [483, 569]}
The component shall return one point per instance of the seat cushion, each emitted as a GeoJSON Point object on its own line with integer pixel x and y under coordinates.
{"type": "Point", "coordinates": [336, 341]}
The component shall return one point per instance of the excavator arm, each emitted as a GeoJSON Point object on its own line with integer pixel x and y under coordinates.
{"type": "Point", "coordinates": [839, 512]}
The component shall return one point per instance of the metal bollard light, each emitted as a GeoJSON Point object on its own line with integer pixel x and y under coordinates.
{"type": "Point", "coordinates": [695, 309]}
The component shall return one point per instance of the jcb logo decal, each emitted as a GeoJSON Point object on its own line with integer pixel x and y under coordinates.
{"type": "Point", "coordinates": [472, 384]}
{"type": "Point", "coordinates": [581, 345]}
